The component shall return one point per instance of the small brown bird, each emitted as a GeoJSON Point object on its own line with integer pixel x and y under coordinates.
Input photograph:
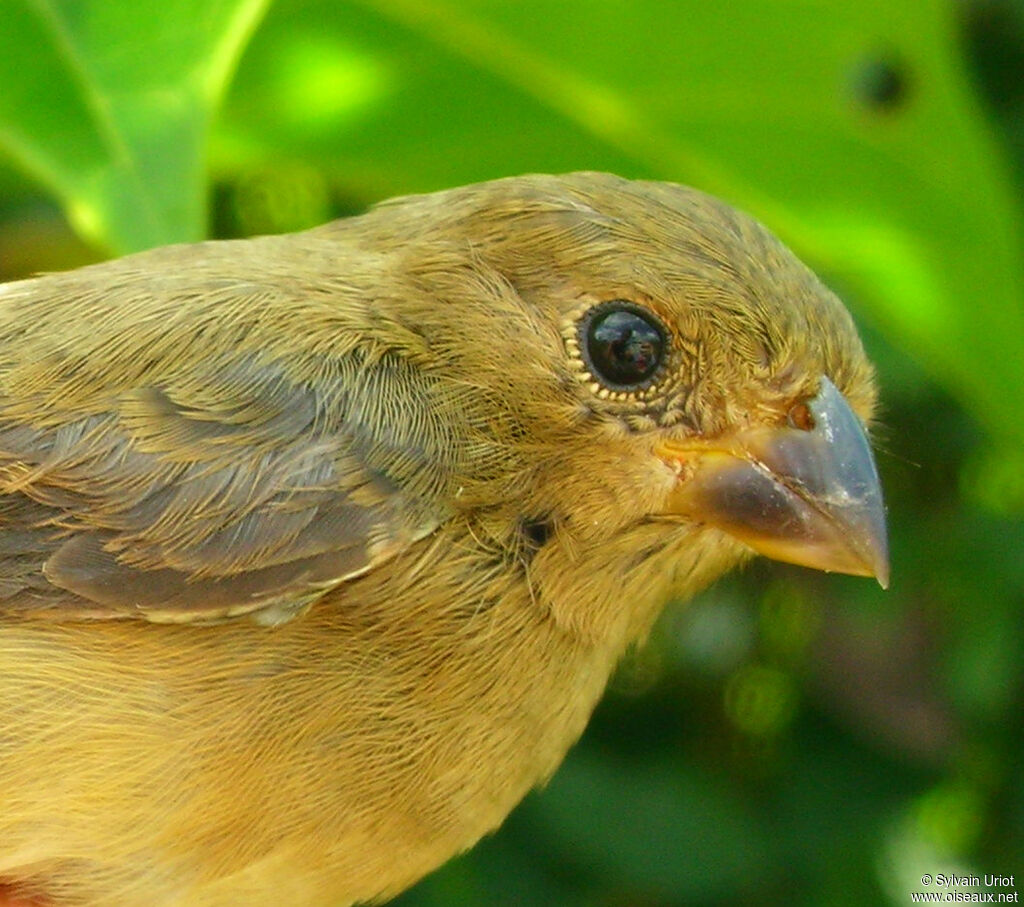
{"type": "Point", "coordinates": [318, 550]}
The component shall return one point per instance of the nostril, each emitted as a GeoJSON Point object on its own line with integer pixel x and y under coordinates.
{"type": "Point", "coordinates": [800, 416]}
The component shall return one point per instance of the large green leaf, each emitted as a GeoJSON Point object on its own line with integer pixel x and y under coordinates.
{"type": "Point", "coordinates": [109, 103]}
{"type": "Point", "coordinates": [850, 128]}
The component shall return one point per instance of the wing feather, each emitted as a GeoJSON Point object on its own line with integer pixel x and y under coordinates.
{"type": "Point", "coordinates": [208, 480]}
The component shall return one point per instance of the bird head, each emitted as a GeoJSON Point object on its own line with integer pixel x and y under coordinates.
{"type": "Point", "coordinates": [672, 389]}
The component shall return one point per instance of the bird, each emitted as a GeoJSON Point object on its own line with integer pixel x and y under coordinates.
{"type": "Point", "coordinates": [317, 550]}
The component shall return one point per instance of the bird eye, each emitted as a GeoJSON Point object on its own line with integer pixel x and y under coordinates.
{"type": "Point", "coordinates": [623, 344]}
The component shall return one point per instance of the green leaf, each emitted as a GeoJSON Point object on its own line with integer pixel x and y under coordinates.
{"type": "Point", "coordinates": [850, 128]}
{"type": "Point", "coordinates": [108, 104]}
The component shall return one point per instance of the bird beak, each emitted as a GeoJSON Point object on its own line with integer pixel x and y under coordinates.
{"type": "Point", "coordinates": [808, 495]}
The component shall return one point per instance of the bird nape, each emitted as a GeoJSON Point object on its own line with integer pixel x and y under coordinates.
{"type": "Point", "coordinates": [319, 549]}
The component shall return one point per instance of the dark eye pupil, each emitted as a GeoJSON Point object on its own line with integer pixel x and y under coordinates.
{"type": "Point", "coordinates": [623, 344]}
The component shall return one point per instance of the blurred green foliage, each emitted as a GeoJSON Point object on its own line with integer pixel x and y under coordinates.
{"type": "Point", "coordinates": [790, 738]}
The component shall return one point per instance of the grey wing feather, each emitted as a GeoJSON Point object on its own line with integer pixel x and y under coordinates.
{"type": "Point", "coordinates": [239, 483]}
